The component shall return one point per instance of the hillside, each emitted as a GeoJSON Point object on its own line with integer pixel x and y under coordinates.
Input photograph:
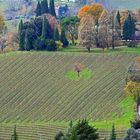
{"type": "Point", "coordinates": [35, 89]}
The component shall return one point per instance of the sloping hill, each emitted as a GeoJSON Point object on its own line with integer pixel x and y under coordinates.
{"type": "Point", "coordinates": [34, 88]}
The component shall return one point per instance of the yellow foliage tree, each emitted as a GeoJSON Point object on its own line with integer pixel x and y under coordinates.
{"type": "Point", "coordinates": [24, 9]}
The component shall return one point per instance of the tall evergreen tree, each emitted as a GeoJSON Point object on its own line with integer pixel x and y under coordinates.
{"type": "Point", "coordinates": [52, 8]}
{"type": "Point", "coordinates": [63, 38]}
{"type": "Point", "coordinates": [38, 9]}
{"type": "Point", "coordinates": [118, 17]}
{"type": "Point", "coordinates": [44, 7]}
{"type": "Point", "coordinates": [113, 133]}
{"type": "Point", "coordinates": [27, 45]}
{"type": "Point", "coordinates": [14, 136]}
{"type": "Point", "coordinates": [46, 29]}
{"type": "Point", "coordinates": [129, 28]}
{"type": "Point", "coordinates": [56, 36]}
{"type": "Point", "coordinates": [21, 36]}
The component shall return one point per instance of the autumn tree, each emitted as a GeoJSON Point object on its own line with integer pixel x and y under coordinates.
{"type": "Point", "coordinates": [71, 26]}
{"type": "Point", "coordinates": [86, 34]}
{"type": "Point", "coordinates": [78, 68]}
{"type": "Point", "coordinates": [133, 81]}
{"type": "Point", "coordinates": [24, 9]}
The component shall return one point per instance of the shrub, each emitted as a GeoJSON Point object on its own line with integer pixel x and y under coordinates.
{"type": "Point", "coordinates": [50, 45]}
{"type": "Point", "coordinates": [59, 44]}
{"type": "Point", "coordinates": [132, 44]}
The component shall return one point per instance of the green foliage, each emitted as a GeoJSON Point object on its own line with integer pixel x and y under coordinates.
{"type": "Point", "coordinates": [46, 29]}
{"type": "Point", "coordinates": [135, 124]}
{"type": "Point", "coordinates": [38, 9]}
{"type": "Point", "coordinates": [132, 134]}
{"type": "Point", "coordinates": [14, 136]}
{"type": "Point", "coordinates": [56, 36]}
{"type": "Point", "coordinates": [44, 7]}
{"type": "Point", "coordinates": [129, 28]}
{"type": "Point", "coordinates": [85, 132]}
{"type": "Point", "coordinates": [52, 8]}
{"type": "Point", "coordinates": [85, 74]}
{"type": "Point", "coordinates": [27, 41]}
{"type": "Point", "coordinates": [71, 26]}
{"type": "Point", "coordinates": [59, 136]}
{"type": "Point", "coordinates": [50, 45]}
{"type": "Point", "coordinates": [113, 133]}
{"type": "Point", "coordinates": [64, 39]}
{"type": "Point", "coordinates": [21, 36]}
{"type": "Point", "coordinates": [39, 44]}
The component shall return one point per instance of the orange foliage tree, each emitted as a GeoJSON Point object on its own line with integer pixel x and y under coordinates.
{"type": "Point", "coordinates": [78, 68]}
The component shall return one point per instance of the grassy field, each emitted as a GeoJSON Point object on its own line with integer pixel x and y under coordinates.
{"type": "Point", "coordinates": [36, 94]}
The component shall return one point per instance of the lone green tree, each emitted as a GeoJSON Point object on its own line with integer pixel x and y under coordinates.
{"type": "Point", "coordinates": [21, 36]}
{"type": "Point", "coordinates": [63, 38]}
{"type": "Point", "coordinates": [52, 8]}
{"type": "Point", "coordinates": [113, 133]}
{"type": "Point", "coordinates": [44, 7]}
{"type": "Point", "coordinates": [14, 136]}
{"type": "Point", "coordinates": [38, 9]}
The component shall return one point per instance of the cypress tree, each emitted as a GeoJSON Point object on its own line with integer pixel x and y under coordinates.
{"type": "Point", "coordinates": [52, 8]}
{"type": "Point", "coordinates": [113, 133]}
{"type": "Point", "coordinates": [14, 136]}
{"type": "Point", "coordinates": [46, 29]}
{"type": "Point", "coordinates": [64, 39]}
{"type": "Point", "coordinates": [56, 36]}
{"type": "Point", "coordinates": [44, 7]}
{"type": "Point", "coordinates": [118, 17]}
{"type": "Point", "coordinates": [27, 41]}
{"type": "Point", "coordinates": [129, 28]}
{"type": "Point", "coordinates": [38, 9]}
{"type": "Point", "coordinates": [21, 36]}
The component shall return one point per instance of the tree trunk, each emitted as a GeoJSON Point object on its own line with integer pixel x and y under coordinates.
{"type": "Point", "coordinates": [72, 39]}
{"type": "Point", "coordinates": [88, 49]}
{"type": "Point", "coordinates": [78, 73]}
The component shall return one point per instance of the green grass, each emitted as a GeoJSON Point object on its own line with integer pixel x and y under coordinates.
{"type": "Point", "coordinates": [124, 49]}
{"type": "Point", "coordinates": [85, 74]}
{"type": "Point", "coordinates": [36, 93]}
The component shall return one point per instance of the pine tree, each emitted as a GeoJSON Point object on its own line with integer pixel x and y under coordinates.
{"type": "Point", "coordinates": [129, 28]}
{"type": "Point", "coordinates": [64, 39]}
{"type": "Point", "coordinates": [21, 36]}
{"type": "Point", "coordinates": [27, 45]}
{"type": "Point", "coordinates": [56, 36]}
{"type": "Point", "coordinates": [46, 29]}
{"type": "Point", "coordinates": [52, 8]}
{"type": "Point", "coordinates": [44, 7]}
{"type": "Point", "coordinates": [113, 133]}
{"type": "Point", "coordinates": [38, 9]}
{"type": "Point", "coordinates": [14, 136]}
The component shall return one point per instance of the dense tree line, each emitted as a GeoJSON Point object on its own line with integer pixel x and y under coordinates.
{"type": "Point", "coordinates": [41, 33]}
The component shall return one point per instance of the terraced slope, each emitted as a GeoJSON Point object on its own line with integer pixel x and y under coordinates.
{"type": "Point", "coordinates": [34, 88]}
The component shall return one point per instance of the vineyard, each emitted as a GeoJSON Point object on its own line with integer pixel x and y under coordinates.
{"type": "Point", "coordinates": [36, 94]}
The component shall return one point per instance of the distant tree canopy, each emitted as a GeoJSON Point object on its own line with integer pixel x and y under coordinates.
{"type": "Point", "coordinates": [43, 8]}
